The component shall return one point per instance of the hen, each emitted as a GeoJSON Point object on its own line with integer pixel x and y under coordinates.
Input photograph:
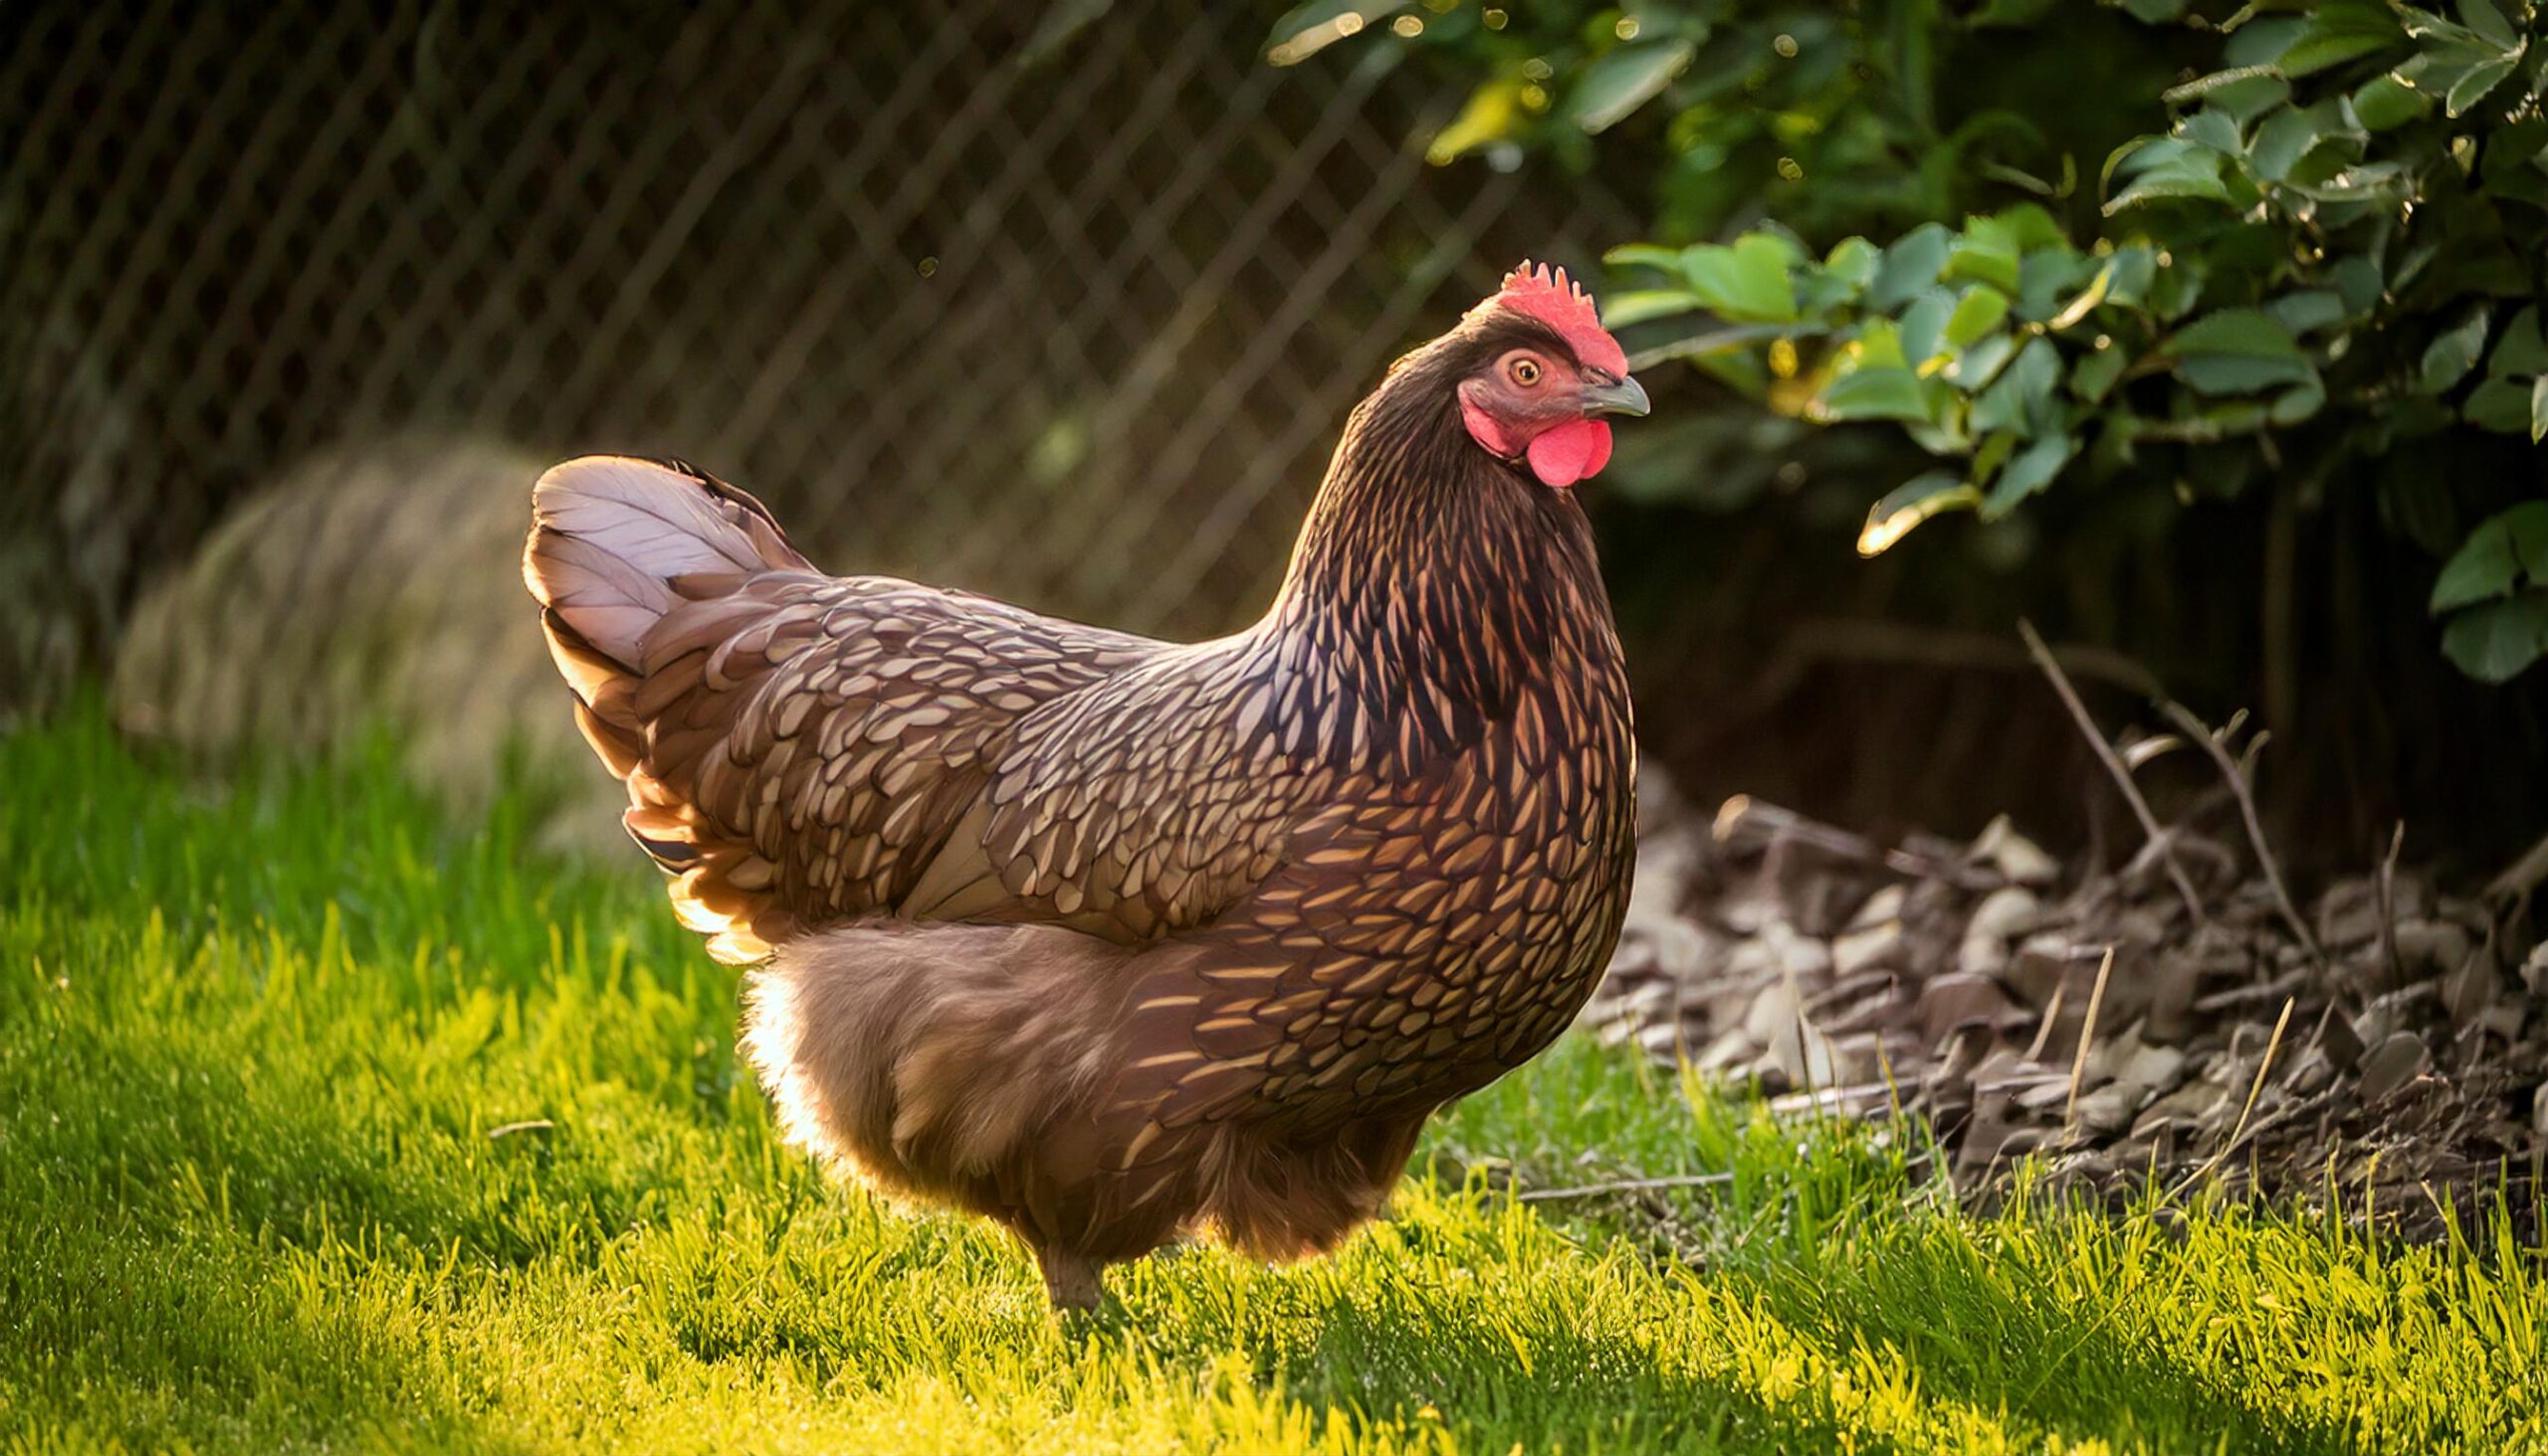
{"type": "Point", "coordinates": [1107, 939]}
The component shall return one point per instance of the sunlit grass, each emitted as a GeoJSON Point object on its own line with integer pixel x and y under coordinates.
{"type": "Point", "coordinates": [324, 1122]}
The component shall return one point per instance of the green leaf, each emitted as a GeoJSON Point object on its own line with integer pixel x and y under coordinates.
{"type": "Point", "coordinates": [2305, 310]}
{"type": "Point", "coordinates": [1978, 312]}
{"type": "Point", "coordinates": [2021, 400]}
{"type": "Point", "coordinates": [2339, 31]}
{"type": "Point", "coordinates": [2239, 332]}
{"type": "Point", "coordinates": [2500, 405]}
{"type": "Point", "coordinates": [1883, 393]}
{"type": "Point", "coordinates": [2481, 79]}
{"type": "Point", "coordinates": [2496, 555]}
{"type": "Point", "coordinates": [1910, 266]}
{"type": "Point", "coordinates": [2458, 63]}
{"type": "Point", "coordinates": [1614, 87]}
{"type": "Point", "coordinates": [1923, 327]}
{"type": "Point", "coordinates": [2240, 375]}
{"type": "Point", "coordinates": [2176, 286]}
{"type": "Point", "coordinates": [2385, 102]}
{"type": "Point", "coordinates": [2238, 351]}
{"type": "Point", "coordinates": [2047, 277]}
{"type": "Point", "coordinates": [2493, 643]}
{"type": "Point", "coordinates": [1977, 367]}
{"type": "Point", "coordinates": [2032, 228]}
{"type": "Point", "coordinates": [1645, 255]}
{"type": "Point", "coordinates": [1748, 281]}
{"type": "Point", "coordinates": [1740, 370]}
{"type": "Point", "coordinates": [2238, 93]}
{"type": "Point", "coordinates": [2167, 167]}
{"type": "Point", "coordinates": [2028, 472]}
{"type": "Point", "coordinates": [2521, 350]}
{"type": "Point", "coordinates": [2454, 353]}
{"type": "Point", "coordinates": [1854, 260]}
{"type": "Point", "coordinates": [2358, 282]}
{"type": "Point", "coordinates": [1909, 503]}
{"type": "Point", "coordinates": [1879, 347]}
{"type": "Point", "coordinates": [2297, 404]}
{"type": "Point", "coordinates": [2212, 130]}
{"type": "Point", "coordinates": [2095, 373]}
{"type": "Point", "coordinates": [2290, 135]}
{"type": "Point", "coordinates": [1306, 30]}
{"type": "Point", "coordinates": [2488, 23]}
{"type": "Point", "coordinates": [1987, 250]}
{"type": "Point", "coordinates": [1493, 111]}
{"type": "Point", "coordinates": [1639, 305]}
{"type": "Point", "coordinates": [2252, 38]}
{"type": "Point", "coordinates": [2128, 275]}
{"type": "Point", "coordinates": [2364, 183]}
{"type": "Point", "coordinates": [2539, 409]}
{"type": "Point", "coordinates": [1840, 279]}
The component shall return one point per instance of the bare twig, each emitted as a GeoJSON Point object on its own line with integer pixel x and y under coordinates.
{"type": "Point", "coordinates": [2087, 1034]}
{"type": "Point", "coordinates": [2521, 876]}
{"type": "Point", "coordinates": [2237, 1130]}
{"type": "Point", "coordinates": [1744, 822]}
{"type": "Point", "coordinates": [1893, 643]}
{"type": "Point", "coordinates": [2243, 788]}
{"type": "Point", "coordinates": [2387, 883]}
{"type": "Point", "coordinates": [2114, 766]}
{"type": "Point", "coordinates": [1627, 1186]}
{"type": "Point", "coordinates": [2043, 1028]}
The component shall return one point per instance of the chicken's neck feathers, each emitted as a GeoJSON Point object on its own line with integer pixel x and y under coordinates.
{"type": "Point", "coordinates": [1432, 586]}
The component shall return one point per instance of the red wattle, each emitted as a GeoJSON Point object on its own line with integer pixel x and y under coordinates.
{"type": "Point", "coordinates": [1574, 451]}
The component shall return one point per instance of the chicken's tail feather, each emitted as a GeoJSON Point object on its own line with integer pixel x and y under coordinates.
{"type": "Point", "coordinates": [617, 542]}
{"type": "Point", "coordinates": [618, 545]}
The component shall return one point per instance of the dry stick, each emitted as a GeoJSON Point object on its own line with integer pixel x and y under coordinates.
{"type": "Point", "coordinates": [2087, 1034]}
{"type": "Point", "coordinates": [1745, 822]}
{"type": "Point", "coordinates": [2521, 876]}
{"type": "Point", "coordinates": [2387, 883]}
{"type": "Point", "coordinates": [2043, 1028]}
{"type": "Point", "coordinates": [2239, 1130]}
{"type": "Point", "coordinates": [1627, 1186]}
{"type": "Point", "coordinates": [2242, 788]}
{"type": "Point", "coordinates": [2114, 766]}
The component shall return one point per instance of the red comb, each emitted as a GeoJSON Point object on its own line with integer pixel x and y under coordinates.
{"type": "Point", "coordinates": [1549, 296]}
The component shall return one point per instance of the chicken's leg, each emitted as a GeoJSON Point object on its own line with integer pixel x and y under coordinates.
{"type": "Point", "coordinates": [1073, 1281]}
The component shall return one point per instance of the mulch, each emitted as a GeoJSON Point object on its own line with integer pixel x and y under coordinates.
{"type": "Point", "coordinates": [2177, 1019]}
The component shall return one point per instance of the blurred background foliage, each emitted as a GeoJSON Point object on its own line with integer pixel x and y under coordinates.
{"type": "Point", "coordinates": [2207, 337]}
{"type": "Point", "coordinates": [2222, 323]}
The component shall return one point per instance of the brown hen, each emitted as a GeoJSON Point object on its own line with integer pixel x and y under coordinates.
{"type": "Point", "coordinates": [1108, 938]}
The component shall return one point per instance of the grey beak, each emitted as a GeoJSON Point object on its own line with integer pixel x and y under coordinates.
{"type": "Point", "coordinates": [1627, 397]}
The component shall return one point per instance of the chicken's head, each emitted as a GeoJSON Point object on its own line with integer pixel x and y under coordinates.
{"type": "Point", "coordinates": [1539, 393]}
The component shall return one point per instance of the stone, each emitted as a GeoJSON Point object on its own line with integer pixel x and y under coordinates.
{"type": "Point", "coordinates": [1861, 949]}
{"type": "Point", "coordinates": [2003, 914]}
{"type": "Point", "coordinates": [2013, 855]}
{"type": "Point", "coordinates": [2391, 1065]}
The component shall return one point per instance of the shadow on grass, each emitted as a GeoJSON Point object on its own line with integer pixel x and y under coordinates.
{"type": "Point", "coordinates": [118, 1336]}
{"type": "Point", "coordinates": [1994, 1335]}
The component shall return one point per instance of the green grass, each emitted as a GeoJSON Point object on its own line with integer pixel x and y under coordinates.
{"type": "Point", "coordinates": [259, 1041]}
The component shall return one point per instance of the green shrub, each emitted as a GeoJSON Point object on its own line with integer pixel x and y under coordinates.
{"type": "Point", "coordinates": [2202, 253]}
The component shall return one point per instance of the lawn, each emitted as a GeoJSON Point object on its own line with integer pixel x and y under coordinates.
{"type": "Point", "coordinates": [328, 1121]}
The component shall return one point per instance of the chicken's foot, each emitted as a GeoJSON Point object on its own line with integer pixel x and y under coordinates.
{"type": "Point", "coordinates": [1073, 1281]}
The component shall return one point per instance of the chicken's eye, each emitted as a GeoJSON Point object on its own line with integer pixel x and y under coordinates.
{"type": "Point", "coordinates": [1525, 371]}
